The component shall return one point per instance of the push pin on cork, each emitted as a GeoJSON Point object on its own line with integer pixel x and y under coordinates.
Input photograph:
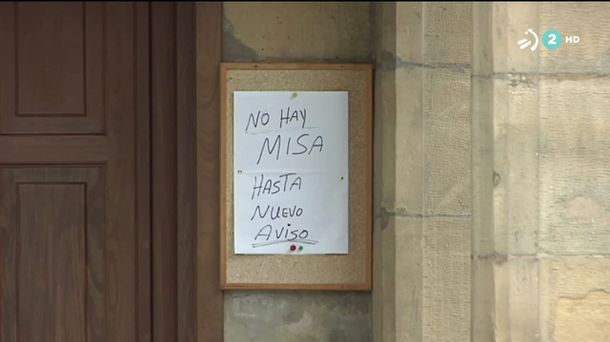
{"type": "Point", "coordinates": [293, 248]}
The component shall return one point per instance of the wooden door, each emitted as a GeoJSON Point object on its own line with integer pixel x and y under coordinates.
{"type": "Point", "coordinates": [74, 172]}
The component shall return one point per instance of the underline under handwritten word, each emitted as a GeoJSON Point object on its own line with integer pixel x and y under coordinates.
{"type": "Point", "coordinates": [305, 241]}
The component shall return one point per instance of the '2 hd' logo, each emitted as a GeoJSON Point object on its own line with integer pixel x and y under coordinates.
{"type": "Point", "coordinates": [551, 39]}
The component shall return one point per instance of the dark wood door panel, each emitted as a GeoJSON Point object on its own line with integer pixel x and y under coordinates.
{"type": "Point", "coordinates": [52, 65]}
{"type": "Point", "coordinates": [74, 172]}
{"type": "Point", "coordinates": [56, 149]}
{"type": "Point", "coordinates": [52, 245]}
{"type": "Point", "coordinates": [51, 278]}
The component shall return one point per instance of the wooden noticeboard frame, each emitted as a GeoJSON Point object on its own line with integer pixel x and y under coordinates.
{"type": "Point", "coordinates": [352, 271]}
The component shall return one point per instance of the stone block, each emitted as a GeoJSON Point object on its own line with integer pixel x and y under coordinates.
{"type": "Point", "coordinates": [517, 299]}
{"type": "Point", "coordinates": [385, 137]}
{"type": "Point", "coordinates": [408, 279]}
{"type": "Point", "coordinates": [510, 22]}
{"type": "Point", "coordinates": [482, 166]}
{"type": "Point", "coordinates": [576, 299]}
{"type": "Point", "coordinates": [387, 281]}
{"type": "Point", "coordinates": [447, 32]}
{"type": "Point", "coordinates": [516, 197]}
{"type": "Point", "coordinates": [574, 197]}
{"type": "Point", "coordinates": [588, 20]}
{"type": "Point", "coordinates": [446, 142]}
{"type": "Point", "coordinates": [408, 131]}
{"type": "Point", "coordinates": [483, 299]}
{"type": "Point", "coordinates": [482, 39]}
{"type": "Point", "coordinates": [574, 116]}
{"type": "Point", "coordinates": [408, 32]}
{"type": "Point", "coordinates": [446, 271]}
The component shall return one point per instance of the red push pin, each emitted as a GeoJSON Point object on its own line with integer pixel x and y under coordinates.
{"type": "Point", "coordinates": [293, 248]}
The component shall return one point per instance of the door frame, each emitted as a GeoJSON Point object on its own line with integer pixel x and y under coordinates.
{"type": "Point", "coordinates": [185, 49]}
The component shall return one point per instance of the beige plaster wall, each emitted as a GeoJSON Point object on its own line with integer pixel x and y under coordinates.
{"type": "Point", "coordinates": [300, 31]}
{"type": "Point", "coordinates": [297, 32]}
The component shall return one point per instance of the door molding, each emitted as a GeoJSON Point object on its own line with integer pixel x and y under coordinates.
{"type": "Point", "coordinates": [209, 55]}
{"type": "Point", "coordinates": [186, 220]}
{"type": "Point", "coordinates": [185, 55]}
{"type": "Point", "coordinates": [164, 171]}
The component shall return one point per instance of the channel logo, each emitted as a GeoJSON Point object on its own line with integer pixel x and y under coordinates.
{"type": "Point", "coordinates": [551, 40]}
{"type": "Point", "coordinates": [525, 42]}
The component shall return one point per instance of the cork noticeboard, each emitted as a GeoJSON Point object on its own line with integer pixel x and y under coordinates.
{"type": "Point", "coordinates": [350, 271]}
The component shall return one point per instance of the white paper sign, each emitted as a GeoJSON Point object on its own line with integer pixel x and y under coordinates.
{"type": "Point", "coordinates": [290, 172]}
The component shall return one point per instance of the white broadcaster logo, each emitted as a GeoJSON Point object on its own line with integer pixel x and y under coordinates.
{"type": "Point", "coordinates": [525, 42]}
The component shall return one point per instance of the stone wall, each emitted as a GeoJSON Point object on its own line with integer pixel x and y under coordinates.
{"type": "Point", "coordinates": [423, 176]}
{"type": "Point", "coordinates": [542, 236]}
